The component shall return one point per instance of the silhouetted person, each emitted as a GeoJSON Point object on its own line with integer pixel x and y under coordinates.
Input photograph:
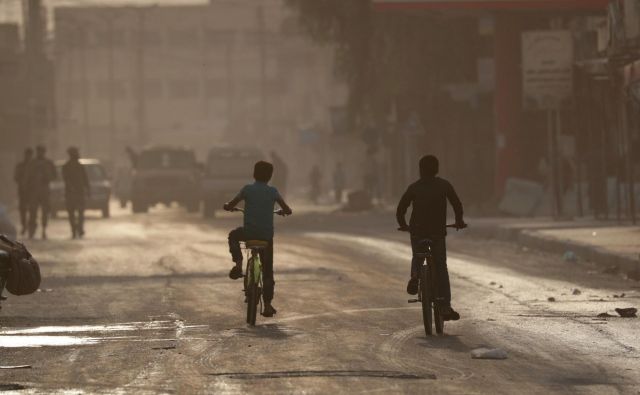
{"type": "Point", "coordinates": [429, 196]}
{"type": "Point", "coordinates": [40, 172]}
{"type": "Point", "coordinates": [339, 181]}
{"type": "Point", "coordinates": [133, 157]}
{"type": "Point", "coordinates": [76, 189]}
{"type": "Point", "coordinates": [259, 201]}
{"type": "Point", "coordinates": [280, 174]}
{"type": "Point", "coordinates": [315, 178]}
{"type": "Point", "coordinates": [19, 176]}
{"type": "Point", "coordinates": [371, 175]}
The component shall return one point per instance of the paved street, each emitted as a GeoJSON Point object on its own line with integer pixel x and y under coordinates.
{"type": "Point", "coordinates": [144, 304]}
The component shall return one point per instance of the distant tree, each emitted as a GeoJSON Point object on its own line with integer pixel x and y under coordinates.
{"type": "Point", "coordinates": [387, 59]}
{"type": "Point", "coordinates": [348, 26]}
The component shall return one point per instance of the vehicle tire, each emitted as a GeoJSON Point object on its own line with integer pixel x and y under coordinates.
{"type": "Point", "coordinates": [138, 207]}
{"type": "Point", "coordinates": [54, 214]}
{"type": "Point", "coordinates": [427, 302]}
{"type": "Point", "coordinates": [106, 211]}
{"type": "Point", "coordinates": [253, 295]}
{"type": "Point", "coordinates": [209, 209]}
{"type": "Point", "coordinates": [123, 203]}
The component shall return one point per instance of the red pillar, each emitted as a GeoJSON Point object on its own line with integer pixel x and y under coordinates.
{"type": "Point", "coordinates": [508, 98]}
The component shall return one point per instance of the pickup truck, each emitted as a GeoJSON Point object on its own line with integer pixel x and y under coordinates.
{"type": "Point", "coordinates": [227, 170]}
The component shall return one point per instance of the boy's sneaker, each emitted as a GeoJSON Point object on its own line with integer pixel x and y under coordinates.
{"type": "Point", "coordinates": [449, 314]}
{"type": "Point", "coordinates": [269, 311]}
{"type": "Point", "coordinates": [412, 286]}
{"type": "Point", "coordinates": [235, 272]}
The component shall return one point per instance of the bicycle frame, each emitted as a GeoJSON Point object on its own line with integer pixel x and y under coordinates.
{"type": "Point", "coordinates": [257, 266]}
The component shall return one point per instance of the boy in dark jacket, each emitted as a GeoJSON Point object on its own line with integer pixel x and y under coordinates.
{"type": "Point", "coordinates": [429, 196]}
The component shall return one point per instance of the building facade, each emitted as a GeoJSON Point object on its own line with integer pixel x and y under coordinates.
{"type": "Point", "coordinates": [231, 72]}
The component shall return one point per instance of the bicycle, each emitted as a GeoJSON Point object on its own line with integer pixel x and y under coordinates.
{"type": "Point", "coordinates": [253, 274]}
{"type": "Point", "coordinates": [427, 287]}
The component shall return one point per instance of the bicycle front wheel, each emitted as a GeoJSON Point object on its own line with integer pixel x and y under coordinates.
{"type": "Point", "coordinates": [427, 301]}
{"type": "Point", "coordinates": [252, 294]}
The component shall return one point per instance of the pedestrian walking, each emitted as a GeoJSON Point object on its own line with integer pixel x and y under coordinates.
{"type": "Point", "coordinates": [39, 173]}
{"type": "Point", "coordinates": [281, 173]}
{"type": "Point", "coordinates": [315, 178]}
{"type": "Point", "coordinates": [19, 176]}
{"type": "Point", "coordinates": [76, 190]}
{"type": "Point", "coordinates": [339, 181]}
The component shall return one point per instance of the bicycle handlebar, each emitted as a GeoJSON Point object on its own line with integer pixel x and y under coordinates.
{"type": "Point", "coordinates": [277, 212]}
{"type": "Point", "coordinates": [454, 226]}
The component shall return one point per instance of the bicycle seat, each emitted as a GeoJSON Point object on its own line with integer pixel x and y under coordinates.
{"type": "Point", "coordinates": [256, 244]}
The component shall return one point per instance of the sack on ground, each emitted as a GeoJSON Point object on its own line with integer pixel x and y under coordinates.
{"type": "Point", "coordinates": [24, 276]}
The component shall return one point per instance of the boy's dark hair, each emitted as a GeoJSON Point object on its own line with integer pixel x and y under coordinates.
{"type": "Point", "coordinates": [429, 166]}
{"type": "Point", "coordinates": [263, 171]}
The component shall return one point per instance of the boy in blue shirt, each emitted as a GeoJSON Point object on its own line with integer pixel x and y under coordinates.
{"type": "Point", "coordinates": [259, 202]}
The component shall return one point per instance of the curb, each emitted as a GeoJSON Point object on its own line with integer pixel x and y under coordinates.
{"type": "Point", "coordinates": [530, 239]}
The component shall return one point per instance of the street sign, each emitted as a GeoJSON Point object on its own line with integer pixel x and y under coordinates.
{"type": "Point", "coordinates": [547, 68]}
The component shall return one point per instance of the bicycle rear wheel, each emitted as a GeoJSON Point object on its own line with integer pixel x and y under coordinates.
{"type": "Point", "coordinates": [437, 317]}
{"type": "Point", "coordinates": [439, 322]}
{"type": "Point", "coordinates": [427, 302]}
{"type": "Point", "coordinates": [252, 294]}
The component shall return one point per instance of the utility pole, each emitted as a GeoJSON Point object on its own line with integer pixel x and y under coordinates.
{"type": "Point", "coordinates": [110, 82]}
{"type": "Point", "coordinates": [85, 88]}
{"type": "Point", "coordinates": [36, 61]}
{"type": "Point", "coordinates": [230, 84]}
{"type": "Point", "coordinates": [627, 138]}
{"type": "Point", "coordinates": [141, 110]}
{"type": "Point", "coordinates": [263, 68]}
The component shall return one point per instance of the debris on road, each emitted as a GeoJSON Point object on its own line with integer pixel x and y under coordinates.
{"type": "Point", "coordinates": [488, 353]}
{"type": "Point", "coordinates": [576, 291]}
{"type": "Point", "coordinates": [622, 295]}
{"type": "Point", "coordinates": [16, 367]}
{"type": "Point", "coordinates": [170, 347]}
{"type": "Point", "coordinates": [605, 315]}
{"type": "Point", "coordinates": [492, 283]}
{"type": "Point", "coordinates": [12, 387]}
{"type": "Point", "coordinates": [628, 312]}
{"type": "Point", "coordinates": [551, 299]}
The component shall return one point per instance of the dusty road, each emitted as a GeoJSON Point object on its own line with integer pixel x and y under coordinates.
{"type": "Point", "coordinates": [144, 304]}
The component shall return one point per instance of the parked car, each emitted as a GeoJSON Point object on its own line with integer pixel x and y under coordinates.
{"type": "Point", "coordinates": [6, 226]}
{"type": "Point", "coordinates": [166, 175]}
{"type": "Point", "coordinates": [100, 188]}
{"type": "Point", "coordinates": [226, 171]}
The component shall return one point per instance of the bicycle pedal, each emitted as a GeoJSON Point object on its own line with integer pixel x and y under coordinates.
{"type": "Point", "coordinates": [412, 301]}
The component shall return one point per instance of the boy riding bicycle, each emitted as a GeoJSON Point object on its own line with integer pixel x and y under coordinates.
{"type": "Point", "coordinates": [429, 196]}
{"type": "Point", "coordinates": [259, 201]}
